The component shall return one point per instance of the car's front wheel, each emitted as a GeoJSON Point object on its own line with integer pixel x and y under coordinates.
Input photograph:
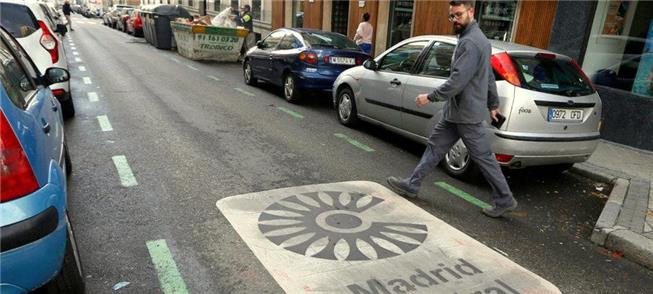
{"type": "Point", "coordinates": [290, 91]}
{"type": "Point", "coordinates": [70, 278]}
{"type": "Point", "coordinates": [248, 74]}
{"type": "Point", "coordinates": [458, 162]}
{"type": "Point", "coordinates": [346, 111]}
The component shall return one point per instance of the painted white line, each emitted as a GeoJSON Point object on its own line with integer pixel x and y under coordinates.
{"type": "Point", "coordinates": [93, 97]}
{"type": "Point", "coordinates": [105, 125]}
{"type": "Point", "coordinates": [127, 178]}
{"type": "Point", "coordinates": [77, 59]}
{"type": "Point", "coordinates": [75, 53]}
{"type": "Point", "coordinates": [360, 237]}
{"type": "Point", "coordinates": [82, 68]}
{"type": "Point", "coordinates": [244, 92]}
{"type": "Point", "coordinates": [87, 80]}
{"type": "Point", "coordinates": [73, 48]}
{"type": "Point", "coordinates": [192, 67]}
{"type": "Point", "coordinates": [214, 78]}
{"type": "Point", "coordinates": [174, 59]}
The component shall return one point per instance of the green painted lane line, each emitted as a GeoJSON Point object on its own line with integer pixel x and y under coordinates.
{"type": "Point", "coordinates": [290, 112]}
{"type": "Point", "coordinates": [127, 178]}
{"type": "Point", "coordinates": [462, 194]}
{"type": "Point", "coordinates": [244, 92]}
{"type": "Point", "coordinates": [354, 142]}
{"type": "Point", "coordinates": [169, 276]}
{"type": "Point", "coordinates": [105, 125]}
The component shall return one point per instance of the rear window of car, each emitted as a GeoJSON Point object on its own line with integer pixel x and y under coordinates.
{"type": "Point", "coordinates": [328, 40]}
{"type": "Point", "coordinates": [18, 20]}
{"type": "Point", "coordinates": [551, 75]}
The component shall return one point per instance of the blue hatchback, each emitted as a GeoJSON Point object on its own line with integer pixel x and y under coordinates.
{"type": "Point", "coordinates": [37, 242]}
{"type": "Point", "coordinates": [301, 59]}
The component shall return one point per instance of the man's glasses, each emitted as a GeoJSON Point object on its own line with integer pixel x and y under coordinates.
{"type": "Point", "coordinates": [457, 15]}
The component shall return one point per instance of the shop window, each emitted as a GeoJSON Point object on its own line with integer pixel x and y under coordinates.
{"type": "Point", "coordinates": [496, 19]}
{"type": "Point", "coordinates": [619, 50]}
{"type": "Point", "coordinates": [340, 17]}
{"type": "Point", "coordinates": [298, 13]}
{"type": "Point", "coordinates": [256, 9]}
{"type": "Point", "coordinates": [401, 21]}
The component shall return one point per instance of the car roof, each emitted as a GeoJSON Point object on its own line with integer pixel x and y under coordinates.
{"type": "Point", "coordinates": [497, 46]}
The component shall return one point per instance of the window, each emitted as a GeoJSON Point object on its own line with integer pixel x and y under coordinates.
{"type": "Point", "coordinates": [297, 13]}
{"type": "Point", "coordinates": [289, 42]}
{"type": "Point", "coordinates": [549, 75]}
{"type": "Point", "coordinates": [190, 3]}
{"type": "Point", "coordinates": [401, 21]}
{"type": "Point", "coordinates": [18, 20]}
{"type": "Point", "coordinates": [256, 9]}
{"type": "Point", "coordinates": [234, 4]}
{"type": "Point", "coordinates": [15, 81]}
{"type": "Point", "coordinates": [403, 58]}
{"type": "Point", "coordinates": [272, 40]}
{"type": "Point", "coordinates": [496, 19]}
{"type": "Point", "coordinates": [216, 5]}
{"type": "Point", "coordinates": [438, 62]}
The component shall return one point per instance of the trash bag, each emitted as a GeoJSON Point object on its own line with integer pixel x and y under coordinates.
{"type": "Point", "coordinates": [223, 19]}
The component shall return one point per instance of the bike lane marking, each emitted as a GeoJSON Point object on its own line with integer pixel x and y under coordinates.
{"type": "Point", "coordinates": [360, 237]}
{"type": "Point", "coordinates": [169, 277]}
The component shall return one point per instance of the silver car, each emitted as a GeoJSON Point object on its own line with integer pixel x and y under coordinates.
{"type": "Point", "coordinates": [553, 113]}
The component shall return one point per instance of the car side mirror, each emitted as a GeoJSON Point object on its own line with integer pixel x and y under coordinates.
{"type": "Point", "coordinates": [260, 45]}
{"type": "Point", "coordinates": [370, 64]}
{"type": "Point", "coordinates": [61, 29]}
{"type": "Point", "coordinates": [55, 75]}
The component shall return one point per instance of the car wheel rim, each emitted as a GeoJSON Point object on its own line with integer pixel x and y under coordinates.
{"type": "Point", "coordinates": [345, 106]}
{"type": "Point", "coordinates": [248, 73]}
{"type": "Point", "coordinates": [457, 158]}
{"type": "Point", "coordinates": [289, 87]}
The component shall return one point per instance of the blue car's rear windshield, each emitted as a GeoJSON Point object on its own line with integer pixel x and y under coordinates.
{"type": "Point", "coordinates": [326, 40]}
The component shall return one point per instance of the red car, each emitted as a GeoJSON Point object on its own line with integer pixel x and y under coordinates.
{"type": "Point", "coordinates": [135, 24]}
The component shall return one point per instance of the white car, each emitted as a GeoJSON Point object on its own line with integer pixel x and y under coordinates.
{"type": "Point", "coordinates": [33, 29]}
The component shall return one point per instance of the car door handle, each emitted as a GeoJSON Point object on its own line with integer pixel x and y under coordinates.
{"type": "Point", "coordinates": [46, 128]}
{"type": "Point", "coordinates": [395, 82]}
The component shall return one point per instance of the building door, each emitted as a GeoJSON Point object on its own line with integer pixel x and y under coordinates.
{"type": "Point", "coordinates": [298, 13]}
{"type": "Point", "coordinates": [340, 17]}
{"type": "Point", "coordinates": [401, 21]}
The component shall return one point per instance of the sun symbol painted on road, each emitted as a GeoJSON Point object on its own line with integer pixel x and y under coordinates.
{"type": "Point", "coordinates": [336, 226]}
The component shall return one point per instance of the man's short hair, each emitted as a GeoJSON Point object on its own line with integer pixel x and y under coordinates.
{"type": "Point", "coordinates": [468, 4]}
{"type": "Point", "coordinates": [247, 7]}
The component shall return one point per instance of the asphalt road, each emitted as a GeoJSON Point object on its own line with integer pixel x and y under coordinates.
{"type": "Point", "coordinates": [193, 133]}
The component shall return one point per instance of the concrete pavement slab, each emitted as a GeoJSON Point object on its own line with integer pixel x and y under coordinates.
{"type": "Point", "coordinates": [359, 237]}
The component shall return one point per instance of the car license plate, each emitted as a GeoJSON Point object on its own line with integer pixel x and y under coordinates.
{"type": "Point", "coordinates": [565, 115]}
{"type": "Point", "coordinates": [343, 60]}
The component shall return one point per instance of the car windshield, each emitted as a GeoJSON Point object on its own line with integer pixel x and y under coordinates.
{"type": "Point", "coordinates": [555, 76]}
{"type": "Point", "coordinates": [18, 20]}
{"type": "Point", "coordinates": [328, 40]}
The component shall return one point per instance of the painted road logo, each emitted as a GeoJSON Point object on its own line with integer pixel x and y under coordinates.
{"type": "Point", "coordinates": [361, 238]}
{"type": "Point", "coordinates": [331, 225]}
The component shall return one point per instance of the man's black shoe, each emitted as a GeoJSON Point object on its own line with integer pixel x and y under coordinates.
{"type": "Point", "coordinates": [496, 211]}
{"type": "Point", "coordinates": [398, 187]}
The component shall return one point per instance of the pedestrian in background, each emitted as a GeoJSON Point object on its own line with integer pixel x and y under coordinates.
{"type": "Point", "coordinates": [66, 12]}
{"type": "Point", "coordinates": [470, 92]}
{"type": "Point", "coordinates": [363, 37]}
{"type": "Point", "coordinates": [245, 19]}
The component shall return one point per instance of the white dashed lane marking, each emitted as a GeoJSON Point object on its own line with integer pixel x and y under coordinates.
{"type": "Point", "coordinates": [87, 80]}
{"type": "Point", "coordinates": [105, 125]}
{"type": "Point", "coordinates": [92, 97]}
{"type": "Point", "coordinates": [127, 178]}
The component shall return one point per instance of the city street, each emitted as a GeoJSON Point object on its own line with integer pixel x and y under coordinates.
{"type": "Point", "coordinates": [158, 139]}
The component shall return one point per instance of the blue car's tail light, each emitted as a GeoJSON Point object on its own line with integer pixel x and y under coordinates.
{"type": "Point", "coordinates": [16, 176]}
{"type": "Point", "coordinates": [308, 57]}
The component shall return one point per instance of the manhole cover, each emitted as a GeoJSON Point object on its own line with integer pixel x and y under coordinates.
{"type": "Point", "coordinates": [337, 225]}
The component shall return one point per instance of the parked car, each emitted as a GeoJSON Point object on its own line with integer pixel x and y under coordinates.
{"type": "Point", "coordinates": [300, 60]}
{"type": "Point", "coordinates": [552, 111]}
{"type": "Point", "coordinates": [135, 24]}
{"type": "Point", "coordinates": [38, 242]}
{"type": "Point", "coordinates": [26, 21]}
{"type": "Point", "coordinates": [54, 17]}
{"type": "Point", "coordinates": [124, 16]}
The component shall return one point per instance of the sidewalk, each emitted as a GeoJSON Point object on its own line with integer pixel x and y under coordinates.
{"type": "Point", "coordinates": [626, 222]}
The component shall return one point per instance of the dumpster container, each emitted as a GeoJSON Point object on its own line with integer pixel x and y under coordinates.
{"type": "Point", "coordinates": [156, 26]}
{"type": "Point", "coordinates": [200, 42]}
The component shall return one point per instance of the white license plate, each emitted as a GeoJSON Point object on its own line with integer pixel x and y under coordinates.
{"type": "Point", "coordinates": [565, 115]}
{"type": "Point", "coordinates": [343, 60]}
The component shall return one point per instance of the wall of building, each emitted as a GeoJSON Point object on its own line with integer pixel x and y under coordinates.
{"type": "Point", "coordinates": [571, 27]}
{"type": "Point", "coordinates": [626, 118]}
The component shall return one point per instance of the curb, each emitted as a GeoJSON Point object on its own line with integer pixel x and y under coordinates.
{"type": "Point", "coordinates": [620, 225]}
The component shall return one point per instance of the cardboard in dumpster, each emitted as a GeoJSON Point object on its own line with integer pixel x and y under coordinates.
{"type": "Point", "coordinates": [359, 237]}
{"type": "Point", "coordinates": [200, 42]}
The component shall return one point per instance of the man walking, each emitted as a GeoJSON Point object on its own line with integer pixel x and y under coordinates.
{"type": "Point", "coordinates": [246, 20]}
{"type": "Point", "coordinates": [66, 12]}
{"type": "Point", "coordinates": [470, 92]}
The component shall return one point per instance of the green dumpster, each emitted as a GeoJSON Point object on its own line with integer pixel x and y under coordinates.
{"type": "Point", "coordinates": [199, 42]}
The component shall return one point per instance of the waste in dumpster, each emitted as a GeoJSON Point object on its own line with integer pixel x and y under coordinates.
{"type": "Point", "coordinates": [200, 42]}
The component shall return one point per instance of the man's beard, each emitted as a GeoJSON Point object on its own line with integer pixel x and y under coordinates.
{"type": "Point", "coordinates": [459, 29]}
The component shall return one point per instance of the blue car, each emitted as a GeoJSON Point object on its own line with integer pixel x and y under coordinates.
{"type": "Point", "coordinates": [301, 60]}
{"type": "Point", "coordinates": [37, 242]}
